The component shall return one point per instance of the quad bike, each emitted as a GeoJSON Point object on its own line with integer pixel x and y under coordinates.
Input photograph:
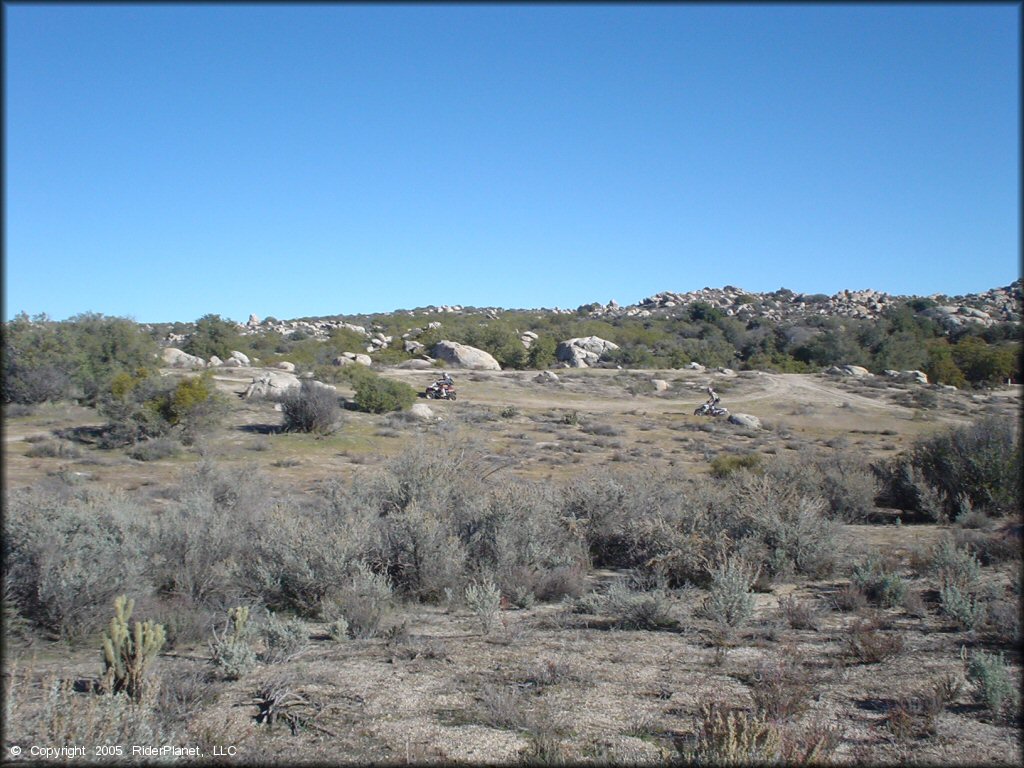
{"type": "Point", "coordinates": [707, 409]}
{"type": "Point", "coordinates": [440, 391]}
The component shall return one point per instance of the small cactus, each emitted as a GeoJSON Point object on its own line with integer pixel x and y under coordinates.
{"type": "Point", "coordinates": [127, 653]}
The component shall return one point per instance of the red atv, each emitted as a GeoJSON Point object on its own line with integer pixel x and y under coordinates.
{"type": "Point", "coordinates": [440, 390]}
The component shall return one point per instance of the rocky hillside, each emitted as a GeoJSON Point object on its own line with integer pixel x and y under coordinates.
{"type": "Point", "coordinates": [993, 306]}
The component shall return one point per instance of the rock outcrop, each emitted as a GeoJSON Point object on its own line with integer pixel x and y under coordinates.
{"type": "Point", "coordinates": [745, 420]}
{"type": "Point", "coordinates": [584, 352]}
{"type": "Point", "coordinates": [175, 358]}
{"type": "Point", "coordinates": [464, 356]}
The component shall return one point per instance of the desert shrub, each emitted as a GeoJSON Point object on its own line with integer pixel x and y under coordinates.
{"type": "Point", "coordinates": [627, 518]}
{"type": "Point", "coordinates": [724, 465]}
{"type": "Point", "coordinates": [867, 643]}
{"type": "Point", "coordinates": [155, 449]}
{"type": "Point", "coordinates": [283, 639]}
{"type": "Point", "coordinates": [782, 688]}
{"type": "Point", "coordinates": [185, 622]}
{"type": "Point", "coordinates": [484, 599]}
{"type": "Point", "coordinates": [849, 487]}
{"type": "Point", "coordinates": [981, 462]}
{"type": "Point", "coordinates": [54, 449]}
{"type": "Point", "coordinates": [1002, 620]}
{"type": "Point", "coordinates": [364, 600]}
{"type": "Point", "coordinates": [338, 630]}
{"type": "Point", "coordinates": [633, 608]}
{"type": "Point", "coordinates": [801, 614]}
{"type": "Point", "coordinates": [992, 684]}
{"type": "Point", "coordinates": [849, 598]}
{"type": "Point", "coordinates": [560, 582]}
{"type": "Point", "coordinates": [194, 545]}
{"type": "Point", "coordinates": [989, 547]}
{"type": "Point", "coordinates": [731, 737]}
{"type": "Point", "coordinates": [955, 566]}
{"type": "Point", "coordinates": [967, 610]}
{"type": "Point", "coordinates": [67, 557]}
{"type": "Point", "coordinates": [52, 712]}
{"type": "Point", "coordinates": [231, 650]}
{"type": "Point", "coordinates": [879, 583]}
{"type": "Point", "coordinates": [730, 601]}
{"type": "Point", "coordinates": [379, 395]}
{"type": "Point", "coordinates": [904, 486]}
{"type": "Point", "coordinates": [776, 525]}
{"type": "Point", "coordinates": [300, 556]}
{"type": "Point", "coordinates": [312, 408]}
{"type": "Point", "coordinates": [421, 551]}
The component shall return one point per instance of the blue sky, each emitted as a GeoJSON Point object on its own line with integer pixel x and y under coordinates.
{"type": "Point", "coordinates": [163, 162]}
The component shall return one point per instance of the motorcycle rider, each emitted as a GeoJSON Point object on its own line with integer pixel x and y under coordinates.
{"type": "Point", "coordinates": [713, 399]}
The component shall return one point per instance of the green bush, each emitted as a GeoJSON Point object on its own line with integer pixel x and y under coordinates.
{"type": "Point", "coordinates": [726, 464]}
{"type": "Point", "coordinates": [212, 336]}
{"type": "Point", "coordinates": [379, 395]}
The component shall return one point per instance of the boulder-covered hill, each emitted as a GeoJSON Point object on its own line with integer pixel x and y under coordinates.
{"type": "Point", "coordinates": [997, 305]}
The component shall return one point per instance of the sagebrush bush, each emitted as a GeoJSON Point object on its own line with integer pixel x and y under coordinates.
{"type": "Point", "coordinates": [155, 449]}
{"type": "Point", "coordinates": [67, 556]}
{"type": "Point", "coordinates": [782, 688]}
{"type": "Point", "coordinates": [966, 609]}
{"type": "Point", "coordinates": [364, 600]}
{"type": "Point", "coordinates": [631, 607]}
{"type": "Point", "coordinates": [981, 462]}
{"type": "Point", "coordinates": [231, 650]}
{"type": "Point", "coordinates": [879, 583]}
{"type": "Point", "coordinates": [484, 599]}
{"type": "Point", "coordinates": [849, 486]}
{"type": "Point", "coordinates": [730, 601]}
{"type": "Point", "coordinates": [311, 408]}
{"type": "Point", "coordinates": [58, 715]}
{"type": "Point", "coordinates": [992, 683]}
{"type": "Point", "coordinates": [283, 639]}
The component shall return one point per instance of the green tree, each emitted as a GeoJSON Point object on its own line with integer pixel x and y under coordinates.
{"type": "Point", "coordinates": [940, 367]}
{"type": "Point", "coordinates": [542, 352]}
{"type": "Point", "coordinates": [212, 336]}
{"type": "Point", "coordinates": [983, 363]}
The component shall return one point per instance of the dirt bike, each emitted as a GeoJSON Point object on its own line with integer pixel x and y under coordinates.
{"type": "Point", "coordinates": [707, 409]}
{"type": "Point", "coordinates": [440, 391]}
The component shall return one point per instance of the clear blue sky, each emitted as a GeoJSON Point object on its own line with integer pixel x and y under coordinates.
{"type": "Point", "coordinates": [168, 161]}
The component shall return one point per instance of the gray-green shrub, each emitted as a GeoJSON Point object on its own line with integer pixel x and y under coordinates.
{"type": "Point", "coordinates": [312, 407]}
{"type": "Point", "coordinates": [993, 686]}
{"type": "Point", "coordinates": [730, 601]}
{"type": "Point", "coordinates": [66, 557]}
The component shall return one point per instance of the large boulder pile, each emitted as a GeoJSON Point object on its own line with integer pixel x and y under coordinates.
{"type": "Point", "coordinates": [584, 352]}
{"type": "Point", "coordinates": [464, 356]}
